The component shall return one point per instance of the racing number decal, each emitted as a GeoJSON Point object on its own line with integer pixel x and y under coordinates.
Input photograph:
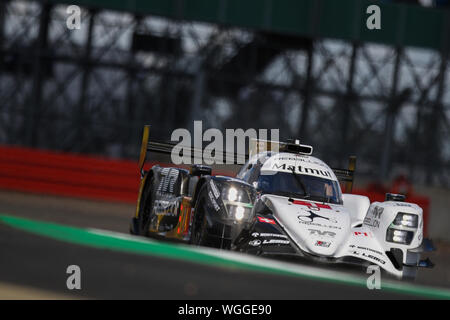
{"type": "Point", "coordinates": [168, 178]}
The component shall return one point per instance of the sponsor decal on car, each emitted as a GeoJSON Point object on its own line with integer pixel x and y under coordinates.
{"type": "Point", "coordinates": [403, 204]}
{"type": "Point", "coordinates": [213, 201]}
{"type": "Point", "coordinates": [312, 206]}
{"type": "Point", "coordinates": [357, 250]}
{"type": "Point", "coordinates": [301, 158]}
{"type": "Point", "coordinates": [368, 256]}
{"type": "Point", "coordinates": [255, 243]}
{"type": "Point", "coordinates": [372, 257]}
{"type": "Point", "coordinates": [268, 235]}
{"type": "Point", "coordinates": [214, 189]}
{"type": "Point", "coordinates": [275, 241]}
{"type": "Point", "coordinates": [300, 169]}
{"type": "Point", "coordinates": [362, 234]}
{"type": "Point", "coordinates": [265, 220]}
{"type": "Point", "coordinates": [311, 216]}
{"type": "Point", "coordinates": [165, 207]}
{"type": "Point", "coordinates": [376, 213]}
{"type": "Point", "coordinates": [323, 244]}
{"type": "Point", "coordinates": [322, 233]}
{"type": "Point", "coordinates": [321, 225]}
{"type": "Point", "coordinates": [167, 183]}
{"type": "Point", "coordinates": [258, 242]}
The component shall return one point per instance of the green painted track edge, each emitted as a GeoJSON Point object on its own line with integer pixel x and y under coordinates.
{"type": "Point", "coordinates": [182, 252]}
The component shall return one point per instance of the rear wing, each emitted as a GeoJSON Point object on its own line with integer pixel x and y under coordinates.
{"type": "Point", "coordinates": [255, 146]}
{"type": "Point", "coordinates": [195, 153]}
{"type": "Point", "coordinates": [347, 175]}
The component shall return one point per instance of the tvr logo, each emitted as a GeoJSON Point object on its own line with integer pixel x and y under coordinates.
{"type": "Point", "coordinates": [321, 233]}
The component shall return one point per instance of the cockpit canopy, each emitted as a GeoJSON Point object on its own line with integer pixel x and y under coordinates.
{"type": "Point", "coordinates": [290, 175]}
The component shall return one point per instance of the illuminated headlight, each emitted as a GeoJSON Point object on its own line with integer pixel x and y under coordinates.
{"type": "Point", "coordinates": [399, 236]}
{"type": "Point", "coordinates": [239, 214]}
{"type": "Point", "coordinates": [232, 194]}
{"type": "Point", "coordinates": [406, 220]}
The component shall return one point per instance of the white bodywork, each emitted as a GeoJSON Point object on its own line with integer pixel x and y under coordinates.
{"type": "Point", "coordinates": [355, 228]}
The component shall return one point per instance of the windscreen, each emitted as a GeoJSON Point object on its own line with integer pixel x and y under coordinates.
{"type": "Point", "coordinates": [300, 186]}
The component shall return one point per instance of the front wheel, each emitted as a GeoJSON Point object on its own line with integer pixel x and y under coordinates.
{"type": "Point", "coordinates": [198, 235]}
{"type": "Point", "coordinates": [210, 233]}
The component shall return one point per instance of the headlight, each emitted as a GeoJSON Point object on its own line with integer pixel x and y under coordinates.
{"type": "Point", "coordinates": [232, 194]}
{"type": "Point", "coordinates": [406, 220]}
{"type": "Point", "coordinates": [399, 236]}
{"type": "Point", "coordinates": [239, 215]}
{"type": "Point", "coordinates": [238, 212]}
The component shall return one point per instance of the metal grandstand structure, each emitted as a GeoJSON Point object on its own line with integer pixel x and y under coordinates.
{"type": "Point", "coordinates": [330, 82]}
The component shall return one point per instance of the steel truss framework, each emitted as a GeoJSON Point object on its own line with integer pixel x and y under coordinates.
{"type": "Point", "coordinates": [91, 90]}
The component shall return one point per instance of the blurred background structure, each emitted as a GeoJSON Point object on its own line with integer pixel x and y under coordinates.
{"type": "Point", "coordinates": [308, 67]}
{"type": "Point", "coordinates": [73, 103]}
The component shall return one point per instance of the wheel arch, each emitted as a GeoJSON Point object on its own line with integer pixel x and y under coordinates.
{"type": "Point", "coordinates": [198, 187]}
{"type": "Point", "coordinates": [143, 184]}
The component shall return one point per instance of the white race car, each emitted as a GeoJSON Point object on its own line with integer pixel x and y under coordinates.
{"type": "Point", "coordinates": [283, 203]}
{"type": "Point", "coordinates": [300, 211]}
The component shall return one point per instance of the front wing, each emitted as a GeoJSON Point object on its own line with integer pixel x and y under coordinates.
{"type": "Point", "coordinates": [266, 238]}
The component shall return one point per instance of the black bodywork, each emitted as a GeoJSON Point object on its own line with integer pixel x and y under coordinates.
{"type": "Point", "coordinates": [211, 216]}
{"type": "Point", "coordinates": [211, 221]}
{"type": "Point", "coordinates": [197, 207]}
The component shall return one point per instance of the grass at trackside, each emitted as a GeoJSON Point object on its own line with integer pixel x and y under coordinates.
{"type": "Point", "coordinates": [126, 243]}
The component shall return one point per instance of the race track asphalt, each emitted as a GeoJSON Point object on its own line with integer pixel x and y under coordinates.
{"type": "Point", "coordinates": [32, 261]}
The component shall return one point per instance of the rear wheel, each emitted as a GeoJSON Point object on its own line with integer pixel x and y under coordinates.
{"type": "Point", "coordinates": [145, 208]}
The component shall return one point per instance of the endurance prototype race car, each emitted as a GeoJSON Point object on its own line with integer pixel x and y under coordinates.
{"type": "Point", "coordinates": [283, 203]}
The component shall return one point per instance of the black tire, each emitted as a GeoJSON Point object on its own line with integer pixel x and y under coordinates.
{"type": "Point", "coordinates": [199, 233]}
{"type": "Point", "coordinates": [145, 208]}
